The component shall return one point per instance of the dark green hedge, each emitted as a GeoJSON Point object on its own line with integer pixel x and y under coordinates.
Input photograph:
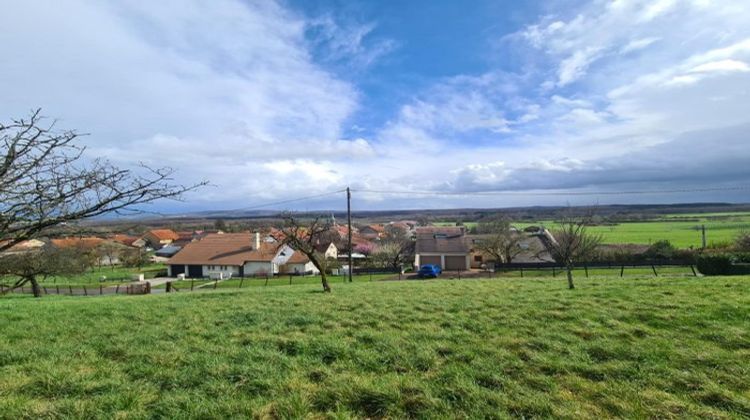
{"type": "Point", "coordinates": [723, 264]}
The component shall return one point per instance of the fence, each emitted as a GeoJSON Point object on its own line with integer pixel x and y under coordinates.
{"type": "Point", "coordinates": [101, 290]}
{"type": "Point", "coordinates": [557, 268]}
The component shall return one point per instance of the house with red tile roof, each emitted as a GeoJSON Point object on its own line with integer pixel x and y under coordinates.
{"type": "Point", "coordinates": [157, 238]}
{"type": "Point", "coordinates": [236, 255]}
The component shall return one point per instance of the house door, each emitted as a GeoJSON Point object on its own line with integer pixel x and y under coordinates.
{"type": "Point", "coordinates": [195, 271]}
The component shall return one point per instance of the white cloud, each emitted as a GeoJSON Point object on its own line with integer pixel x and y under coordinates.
{"type": "Point", "coordinates": [637, 44]}
{"type": "Point", "coordinates": [630, 92]}
{"type": "Point", "coordinates": [215, 89]}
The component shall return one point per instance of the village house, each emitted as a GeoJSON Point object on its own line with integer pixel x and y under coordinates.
{"type": "Point", "coordinates": [328, 249]}
{"type": "Point", "coordinates": [127, 240]}
{"type": "Point", "coordinates": [157, 238]}
{"type": "Point", "coordinates": [105, 252]}
{"type": "Point", "coordinates": [447, 247]}
{"type": "Point", "coordinates": [237, 255]}
{"type": "Point", "coordinates": [372, 232]}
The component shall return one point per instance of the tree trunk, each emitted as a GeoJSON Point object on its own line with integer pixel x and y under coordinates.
{"type": "Point", "coordinates": [324, 280]}
{"type": "Point", "coordinates": [569, 269]}
{"type": "Point", "coordinates": [35, 286]}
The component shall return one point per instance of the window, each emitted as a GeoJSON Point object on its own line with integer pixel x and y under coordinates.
{"type": "Point", "coordinates": [478, 258]}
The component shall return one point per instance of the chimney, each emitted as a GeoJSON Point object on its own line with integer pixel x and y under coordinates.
{"type": "Point", "coordinates": [257, 240]}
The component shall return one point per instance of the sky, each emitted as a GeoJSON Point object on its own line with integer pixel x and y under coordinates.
{"type": "Point", "coordinates": [483, 103]}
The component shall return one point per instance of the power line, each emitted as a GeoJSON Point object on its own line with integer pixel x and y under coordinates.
{"type": "Point", "coordinates": [553, 193]}
{"type": "Point", "coordinates": [291, 200]}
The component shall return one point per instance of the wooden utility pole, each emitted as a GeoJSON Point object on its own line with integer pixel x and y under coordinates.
{"type": "Point", "coordinates": [349, 229]}
{"type": "Point", "coordinates": [703, 236]}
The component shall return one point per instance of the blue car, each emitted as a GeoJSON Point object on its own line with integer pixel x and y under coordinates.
{"type": "Point", "coordinates": [429, 270]}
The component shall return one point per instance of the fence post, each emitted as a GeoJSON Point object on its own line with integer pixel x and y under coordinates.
{"type": "Point", "coordinates": [693, 268]}
{"type": "Point", "coordinates": [117, 289]}
{"type": "Point", "coordinates": [216, 283]}
{"type": "Point", "coordinates": [586, 268]}
{"type": "Point", "coordinates": [101, 290]}
{"type": "Point", "coordinates": [58, 289]}
{"type": "Point", "coordinates": [70, 289]}
{"type": "Point", "coordinates": [290, 279]}
{"type": "Point", "coordinates": [521, 272]}
{"type": "Point", "coordinates": [554, 272]}
{"type": "Point", "coordinates": [192, 284]}
{"type": "Point", "coordinates": [85, 292]}
{"type": "Point", "coordinates": [459, 274]}
{"type": "Point", "coordinates": [654, 268]}
{"type": "Point", "coordinates": [622, 270]}
{"type": "Point", "coordinates": [45, 290]}
{"type": "Point", "coordinates": [242, 280]}
{"type": "Point", "coordinates": [266, 280]}
{"type": "Point", "coordinates": [169, 287]}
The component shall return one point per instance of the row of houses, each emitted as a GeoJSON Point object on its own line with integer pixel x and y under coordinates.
{"type": "Point", "coordinates": [249, 254]}
{"type": "Point", "coordinates": [453, 249]}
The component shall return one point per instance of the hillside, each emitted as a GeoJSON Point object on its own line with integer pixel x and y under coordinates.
{"type": "Point", "coordinates": [648, 347]}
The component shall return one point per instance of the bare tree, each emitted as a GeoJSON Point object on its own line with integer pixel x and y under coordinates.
{"type": "Point", "coordinates": [395, 249]}
{"type": "Point", "coordinates": [571, 243]}
{"type": "Point", "coordinates": [501, 241]}
{"type": "Point", "coordinates": [28, 267]}
{"type": "Point", "coordinates": [303, 237]}
{"type": "Point", "coordinates": [45, 181]}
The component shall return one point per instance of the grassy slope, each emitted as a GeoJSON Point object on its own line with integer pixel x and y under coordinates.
{"type": "Point", "coordinates": [613, 347]}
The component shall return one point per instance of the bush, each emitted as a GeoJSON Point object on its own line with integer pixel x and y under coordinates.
{"type": "Point", "coordinates": [742, 243]}
{"type": "Point", "coordinates": [660, 250]}
{"type": "Point", "coordinates": [723, 264]}
{"type": "Point", "coordinates": [714, 265]}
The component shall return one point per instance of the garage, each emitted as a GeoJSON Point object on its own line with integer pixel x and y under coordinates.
{"type": "Point", "coordinates": [195, 271]}
{"type": "Point", "coordinates": [430, 259]}
{"type": "Point", "coordinates": [177, 269]}
{"type": "Point", "coordinates": [455, 262]}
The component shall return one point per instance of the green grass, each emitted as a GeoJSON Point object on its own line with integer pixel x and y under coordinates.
{"type": "Point", "coordinates": [682, 230]}
{"type": "Point", "coordinates": [274, 281]}
{"type": "Point", "coordinates": [634, 347]}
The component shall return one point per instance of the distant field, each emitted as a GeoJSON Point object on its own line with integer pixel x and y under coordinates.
{"type": "Point", "coordinates": [720, 227]}
{"type": "Point", "coordinates": [636, 348]}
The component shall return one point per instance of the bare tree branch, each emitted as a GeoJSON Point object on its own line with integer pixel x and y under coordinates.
{"type": "Point", "coordinates": [46, 182]}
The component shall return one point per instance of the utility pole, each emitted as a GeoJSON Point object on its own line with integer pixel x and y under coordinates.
{"type": "Point", "coordinates": [349, 229]}
{"type": "Point", "coordinates": [703, 236]}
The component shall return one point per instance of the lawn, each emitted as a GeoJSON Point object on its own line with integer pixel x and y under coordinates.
{"type": "Point", "coordinates": [93, 277]}
{"type": "Point", "coordinates": [635, 347]}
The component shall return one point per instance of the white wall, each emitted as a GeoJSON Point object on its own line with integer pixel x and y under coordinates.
{"type": "Point", "coordinates": [252, 268]}
{"type": "Point", "coordinates": [302, 268]}
{"type": "Point", "coordinates": [226, 270]}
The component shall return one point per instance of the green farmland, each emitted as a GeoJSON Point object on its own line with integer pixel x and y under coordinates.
{"type": "Point", "coordinates": [682, 230]}
{"type": "Point", "coordinates": [641, 347]}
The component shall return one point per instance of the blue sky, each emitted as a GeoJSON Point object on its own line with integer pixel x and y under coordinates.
{"type": "Point", "coordinates": [271, 100]}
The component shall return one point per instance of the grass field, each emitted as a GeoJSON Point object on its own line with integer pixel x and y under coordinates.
{"type": "Point", "coordinates": [274, 281]}
{"type": "Point", "coordinates": [682, 230]}
{"type": "Point", "coordinates": [634, 347]}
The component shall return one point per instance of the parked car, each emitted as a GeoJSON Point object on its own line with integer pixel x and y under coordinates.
{"type": "Point", "coordinates": [429, 270]}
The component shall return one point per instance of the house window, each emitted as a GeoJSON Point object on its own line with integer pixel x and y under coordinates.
{"type": "Point", "coordinates": [478, 258]}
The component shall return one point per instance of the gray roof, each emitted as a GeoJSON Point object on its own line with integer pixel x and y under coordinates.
{"type": "Point", "coordinates": [442, 240]}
